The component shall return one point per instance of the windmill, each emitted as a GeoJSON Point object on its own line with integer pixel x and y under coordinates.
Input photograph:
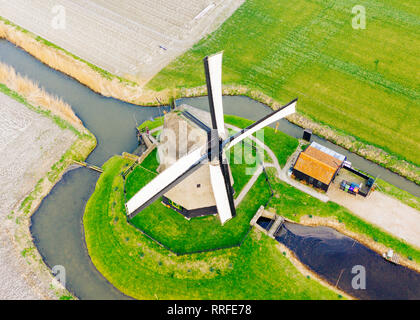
{"type": "Point", "coordinates": [212, 153]}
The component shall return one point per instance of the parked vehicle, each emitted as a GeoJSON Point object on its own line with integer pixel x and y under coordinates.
{"type": "Point", "coordinates": [350, 187]}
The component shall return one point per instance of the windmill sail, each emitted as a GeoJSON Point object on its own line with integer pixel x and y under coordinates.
{"type": "Point", "coordinates": [164, 182]}
{"type": "Point", "coordinates": [213, 70]}
{"type": "Point", "coordinates": [220, 173]}
{"type": "Point", "coordinates": [221, 193]}
{"type": "Point", "coordinates": [284, 111]}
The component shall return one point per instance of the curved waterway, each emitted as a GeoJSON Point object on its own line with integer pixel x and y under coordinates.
{"type": "Point", "coordinates": [57, 226]}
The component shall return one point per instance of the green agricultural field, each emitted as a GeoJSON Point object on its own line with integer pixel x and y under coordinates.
{"type": "Point", "coordinates": [362, 82]}
{"type": "Point", "coordinates": [140, 268]}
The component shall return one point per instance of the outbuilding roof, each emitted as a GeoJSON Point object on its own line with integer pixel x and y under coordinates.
{"type": "Point", "coordinates": [318, 164]}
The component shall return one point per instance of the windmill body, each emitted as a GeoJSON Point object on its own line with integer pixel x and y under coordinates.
{"type": "Point", "coordinates": [185, 130]}
{"type": "Point", "coordinates": [204, 161]}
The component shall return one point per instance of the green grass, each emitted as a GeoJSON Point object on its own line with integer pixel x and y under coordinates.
{"type": "Point", "coordinates": [294, 204]}
{"type": "Point", "coordinates": [152, 161]}
{"type": "Point", "coordinates": [151, 124]}
{"type": "Point", "coordinates": [140, 268]}
{"type": "Point", "coordinates": [280, 143]}
{"type": "Point", "coordinates": [361, 82]}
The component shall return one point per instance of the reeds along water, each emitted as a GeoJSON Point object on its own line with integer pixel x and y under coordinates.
{"type": "Point", "coordinates": [79, 70]}
{"type": "Point", "coordinates": [37, 96]}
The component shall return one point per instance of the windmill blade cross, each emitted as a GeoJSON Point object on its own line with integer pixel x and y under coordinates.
{"type": "Point", "coordinates": [218, 168]}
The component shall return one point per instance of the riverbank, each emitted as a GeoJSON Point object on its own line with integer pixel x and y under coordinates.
{"type": "Point", "coordinates": [289, 254]}
{"type": "Point", "coordinates": [109, 85]}
{"type": "Point", "coordinates": [51, 137]}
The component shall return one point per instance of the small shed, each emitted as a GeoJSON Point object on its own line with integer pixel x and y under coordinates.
{"type": "Point", "coordinates": [318, 165]}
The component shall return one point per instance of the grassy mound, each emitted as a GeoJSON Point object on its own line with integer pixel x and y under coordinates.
{"type": "Point", "coordinates": [203, 233]}
{"type": "Point", "coordinates": [140, 268]}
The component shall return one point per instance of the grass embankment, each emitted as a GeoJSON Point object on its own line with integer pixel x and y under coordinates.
{"type": "Point", "coordinates": [151, 124]}
{"type": "Point", "coordinates": [204, 233]}
{"type": "Point", "coordinates": [296, 205]}
{"type": "Point", "coordinates": [360, 82]}
{"type": "Point", "coordinates": [140, 268]}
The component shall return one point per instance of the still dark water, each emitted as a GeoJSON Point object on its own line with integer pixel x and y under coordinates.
{"type": "Point", "coordinates": [333, 255]}
{"type": "Point", "coordinates": [57, 226]}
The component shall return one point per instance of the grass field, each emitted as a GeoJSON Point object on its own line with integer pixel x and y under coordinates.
{"type": "Point", "coordinates": [361, 82]}
{"type": "Point", "coordinates": [140, 268]}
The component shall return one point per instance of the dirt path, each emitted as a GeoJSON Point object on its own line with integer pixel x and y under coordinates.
{"type": "Point", "coordinates": [29, 145]}
{"type": "Point", "coordinates": [248, 186]}
{"type": "Point", "coordinates": [384, 211]}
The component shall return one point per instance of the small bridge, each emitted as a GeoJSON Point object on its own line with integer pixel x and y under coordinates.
{"type": "Point", "coordinates": [274, 227]}
{"type": "Point", "coordinates": [89, 166]}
